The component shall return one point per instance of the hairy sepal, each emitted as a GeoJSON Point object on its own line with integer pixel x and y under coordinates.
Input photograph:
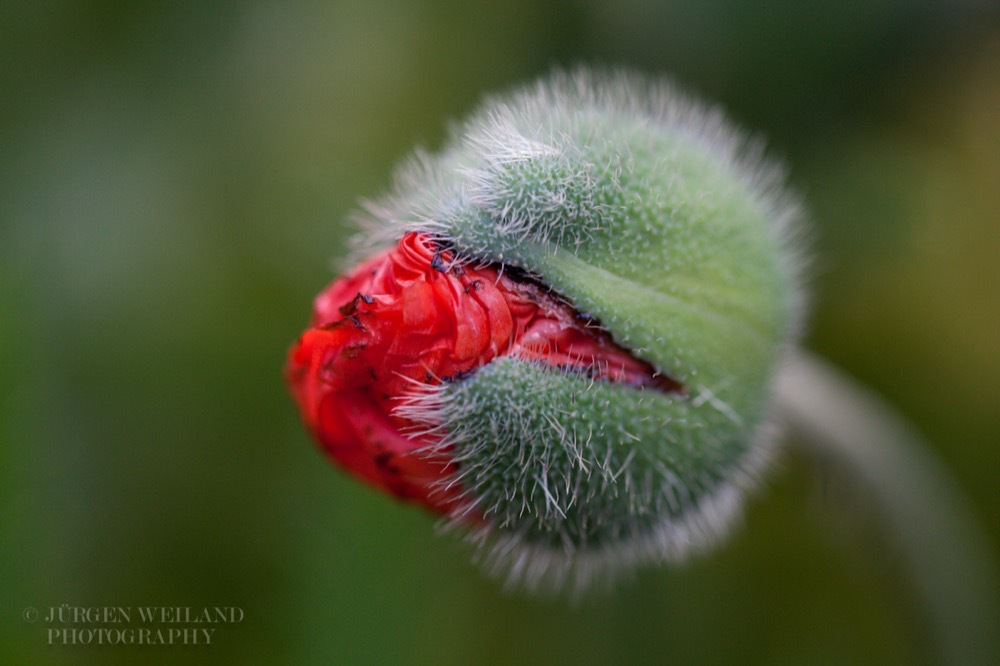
{"type": "Point", "coordinates": [579, 480]}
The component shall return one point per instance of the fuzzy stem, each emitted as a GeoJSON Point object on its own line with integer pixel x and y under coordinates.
{"type": "Point", "coordinates": [926, 515]}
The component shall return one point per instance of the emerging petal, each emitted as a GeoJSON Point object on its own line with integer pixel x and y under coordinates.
{"type": "Point", "coordinates": [413, 317]}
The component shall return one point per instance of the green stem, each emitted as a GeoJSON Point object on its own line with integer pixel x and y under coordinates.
{"type": "Point", "coordinates": [926, 516]}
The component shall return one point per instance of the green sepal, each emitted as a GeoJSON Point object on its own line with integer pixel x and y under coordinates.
{"type": "Point", "coordinates": [564, 461]}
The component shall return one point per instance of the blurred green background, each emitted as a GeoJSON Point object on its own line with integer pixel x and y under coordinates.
{"type": "Point", "coordinates": [174, 179]}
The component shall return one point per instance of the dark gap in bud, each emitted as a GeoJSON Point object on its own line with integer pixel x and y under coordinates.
{"type": "Point", "coordinates": [548, 299]}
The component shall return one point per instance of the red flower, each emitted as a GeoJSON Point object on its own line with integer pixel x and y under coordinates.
{"type": "Point", "coordinates": [415, 316]}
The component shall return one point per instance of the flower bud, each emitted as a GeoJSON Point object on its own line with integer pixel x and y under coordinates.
{"type": "Point", "coordinates": [567, 347]}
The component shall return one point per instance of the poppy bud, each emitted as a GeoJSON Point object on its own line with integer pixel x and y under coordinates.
{"type": "Point", "coordinates": [568, 346]}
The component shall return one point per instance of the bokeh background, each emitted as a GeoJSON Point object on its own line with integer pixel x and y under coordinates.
{"type": "Point", "coordinates": [174, 179]}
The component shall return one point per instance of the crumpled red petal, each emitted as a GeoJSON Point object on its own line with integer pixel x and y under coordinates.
{"type": "Point", "coordinates": [411, 316]}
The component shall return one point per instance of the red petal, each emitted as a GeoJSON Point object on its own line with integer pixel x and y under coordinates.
{"type": "Point", "coordinates": [404, 318]}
